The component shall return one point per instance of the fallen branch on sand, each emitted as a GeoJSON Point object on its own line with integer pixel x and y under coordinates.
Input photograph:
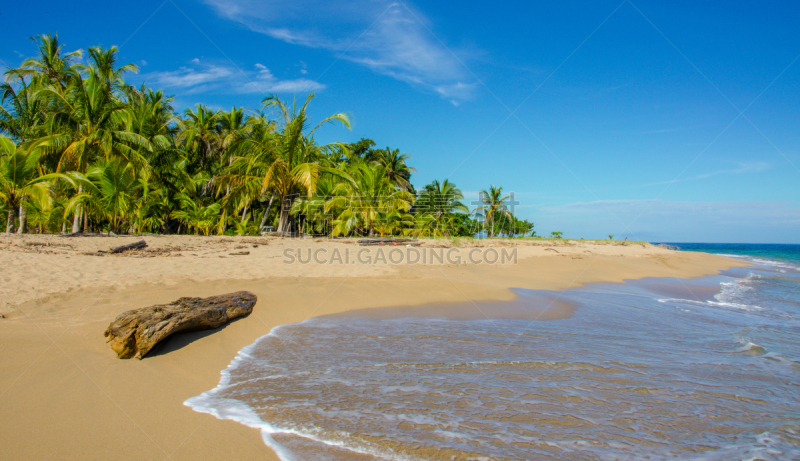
{"type": "Point", "coordinates": [131, 246]}
{"type": "Point", "coordinates": [87, 234]}
{"type": "Point", "coordinates": [134, 333]}
{"type": "Point", "coordinates": [389, 241]}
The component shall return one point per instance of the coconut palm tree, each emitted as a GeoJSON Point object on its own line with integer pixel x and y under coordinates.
{"type": "Point", "coordinates": [396, 168]}
{"type": "Point", "coordinates": [151, 204]}
{"type": "Point", "coordinates": [395, 223]}
{"type": "Point", "coordinates": [21, 115]}
{"type": "Point", "coordinates": [493, 204]}
{"type": "Point", "coordinates": [104, 64]}
{"type": "Point", "coordinates": [233, 125]}
{"type": "Point", "coordinates": [108, 192]}
{"type": "Point", "coordinates": [366, 201]}
{"type": "Point", "coordinates": [115, 183]}
{"type": "Point", "coordinates": [436, 205]}
{"type": "Point", "coordinates": [87, 123]}
{"type": "Point", "coordinates": [19, 181]}
{"type": "Point", "coordinates": [51, 67]}
{"type": "Point", "coordinates": [200, 134]}
{"type": "Point", "coordinates": [201, 218]}
{"type": "Point", "coordinates": [289, 157]}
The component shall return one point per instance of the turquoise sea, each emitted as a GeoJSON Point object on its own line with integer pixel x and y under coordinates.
{"type": "Point", "coordinates": [755, 251]}
{"type": "Point", "coordinates": [658, 368]}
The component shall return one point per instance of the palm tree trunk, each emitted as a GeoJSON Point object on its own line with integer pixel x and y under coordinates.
{"type": "Point", "coordinates": [283, 223]}
{"type": "Point", "coordinates": [244, 212]}
{"type": "Point", "coordinates": [23, 217]}
{"type": "Point", "coordinates": [85, 221]}
{"type": "Point", "coordinates": [76, 220]}
{"type": "Point", "coordinates": [11, 214]}
{"type": "Point", "coordinates": [266, 212]}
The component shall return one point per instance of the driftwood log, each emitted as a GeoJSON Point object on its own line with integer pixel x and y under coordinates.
{"type": "Point", "coordinates": [130, 246]}
{"type": "Point", "coordinates": [134, 333]}
{"type": "Point", "coordinates": [87, 234]}
{"type": "Point", "coordinates": [388, 241]}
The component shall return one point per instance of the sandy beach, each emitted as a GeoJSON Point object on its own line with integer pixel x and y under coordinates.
{"type": "Point", "coordinates": [65, 395]}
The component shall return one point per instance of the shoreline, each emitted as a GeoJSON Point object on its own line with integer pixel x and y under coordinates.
{"type": "Point", "coordinates": [65, 394]}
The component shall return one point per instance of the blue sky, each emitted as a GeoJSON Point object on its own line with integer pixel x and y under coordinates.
{"type": "Point", "coordinates": [662, 121]}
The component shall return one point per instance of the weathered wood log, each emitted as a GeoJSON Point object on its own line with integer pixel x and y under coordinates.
{"type": "Point", "coordinates": [412, 244]}
{"type": "Point", "coordinates": [130, 246]}
{"type": "Point", "coordinates": [134, 333]}
{"type": "Point", "coordinates": [388, 241]}
{"type": "Point", "coordinates": [240, 253]}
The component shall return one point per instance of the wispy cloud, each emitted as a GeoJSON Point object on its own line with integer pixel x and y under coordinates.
{"type": "Point", "coordinates": [200, 77]}
{"type": "Point", "coordinates": [741, 168]}
{"type": "Point", "coordinates": [385, 36]}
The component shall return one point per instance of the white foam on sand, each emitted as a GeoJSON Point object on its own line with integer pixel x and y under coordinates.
{"type": "Point", "coordinates": [236, 410]}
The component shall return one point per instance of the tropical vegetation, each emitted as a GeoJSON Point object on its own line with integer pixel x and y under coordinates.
{"type": "Point", "coordinates": [83, 151]}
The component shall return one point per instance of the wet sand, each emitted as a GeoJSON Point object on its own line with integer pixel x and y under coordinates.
{"type": "Point", "coordinates": [65, 395]}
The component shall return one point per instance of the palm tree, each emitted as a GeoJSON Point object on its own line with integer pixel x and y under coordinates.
{"type": "Point", "coordinates": [21, 115]}
{"type": "Point", "coordinates": [436, 205]}
{"type": "Point", "coordinates": [201, 218]}
{"type": "Point", "coordinates": [19, 181]}
{"type": "Point", "coordinates": [109, 191]}
{"type": "Point", "coordinates": [289, 157]}
{"type": "Point", "coordinates": [38, 213]}
{"type": "Point", "coordinates": [396, 168]}
{"type": "Point", "coordinates": [232, 127]}
{"type": "Point", "coordinates": [51, 68]}
{"type": "Point", "coordinates": [396, 222]}
{"type": "Point", "coordinates": [200, 133]}
{"type": "Point", "coordinates": [151, 205]}
{"type": "Point", "coordinates": [493, 204]}
{"type": "Point", "coordinates": [104, 65]}
{"type": "Point", "coordinates": [312, 209]}
{"type": "Point", "coordinates": [151, 115]}
{"type": "Point", "coordinates": [87, 123]}
{"type": "Point", "coordinates": [366, 201]}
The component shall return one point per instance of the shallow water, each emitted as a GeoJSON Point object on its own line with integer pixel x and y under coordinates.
{"type": "Point", "coordinates": [659, 368]}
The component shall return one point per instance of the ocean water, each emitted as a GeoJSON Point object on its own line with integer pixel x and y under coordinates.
{"type": "Point", "coordinates": [705, 369]}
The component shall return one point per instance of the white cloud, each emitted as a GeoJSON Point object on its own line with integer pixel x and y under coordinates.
{"type": "Point", "coordinates": [740, 168]}
{"type": "Point", "coordinates": [142, 63]}
{"type": "Point", "coordinates": [387, 37]}
{"type": "Point", "coordinates": [204, 77]}
{"type": "Point", "coordinates": [187, 78]}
